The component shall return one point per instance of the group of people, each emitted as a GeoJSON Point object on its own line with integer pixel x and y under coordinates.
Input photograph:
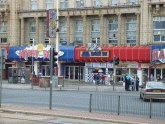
{"type": "Point", "coordinates": [99, 79]}
{"type": "Point", "coordinates": [134, 82]}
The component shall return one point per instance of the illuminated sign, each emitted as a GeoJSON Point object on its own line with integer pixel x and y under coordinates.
{"type": "Point", "coordinates": [96, 54]}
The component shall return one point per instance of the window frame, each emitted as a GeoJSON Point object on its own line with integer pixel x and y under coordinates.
{"type": "Point", "coordinates": [65, 2]}
{"type": "Point", "coordinates": [132, 38]}
{"type": "Point", "coordinates": [79, 3]}
{"type": "Point", "coordinates": [95, 31]}
{"type": "Point", "coordinates": [61, 24]}
{"type": "Point", "coordinates": [96, 1]}
{"type": "Point", "coordinates": [114, 22]}
{"type": "Point", "coordinates": [114, 3]}
{"type": "Point", "coordinates": [32, 3]}
{"type": "Point", "coordinates": [2, 39]}
{"type": "Point", "coordinates": [77, 39]}
{"type": "Point", "coordinates": [50, 2]}
{"type": "Point", "coordinates": [31, 26]}
{"type": "Point", "coordinates": [3, 26]}
{"type": "Point", "coordinates": [159, 30]}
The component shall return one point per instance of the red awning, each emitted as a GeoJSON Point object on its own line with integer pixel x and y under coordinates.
{"type": "Point", "coordinates": [138, 54]}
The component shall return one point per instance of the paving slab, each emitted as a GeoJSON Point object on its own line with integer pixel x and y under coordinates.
{"type": "Point", "coordinates": [79, 115]}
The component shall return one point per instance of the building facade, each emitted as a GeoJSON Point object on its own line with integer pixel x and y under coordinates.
{"type": "Point", "coordinates": [107, 23]}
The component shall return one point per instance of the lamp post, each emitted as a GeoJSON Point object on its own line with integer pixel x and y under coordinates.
{"type": "Point", "coordinates": [57, 37]}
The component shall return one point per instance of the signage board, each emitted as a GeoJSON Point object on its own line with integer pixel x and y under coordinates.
{"type": "Point", "coordinates": [94, 54]}
{"type": "Point", "coordinates": [158, 54]}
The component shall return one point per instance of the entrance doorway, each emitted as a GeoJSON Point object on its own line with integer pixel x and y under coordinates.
{"type": "Point", "coordinates": [74, 72]}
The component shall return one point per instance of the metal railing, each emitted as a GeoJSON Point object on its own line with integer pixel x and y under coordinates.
{"type": "Point", "coordinates": [127, 105]}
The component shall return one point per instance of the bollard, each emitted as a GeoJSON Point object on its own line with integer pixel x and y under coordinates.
{"type": "Point", "coordinates": [150, 107]}
{"type": "Point", "coordinates": [118, 105]}
{"type": "Point", "coordinates": [90, 102]}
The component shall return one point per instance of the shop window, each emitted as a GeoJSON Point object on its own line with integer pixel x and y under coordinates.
{"type": "Point", "coordinates": [95, 31]}
{"type": "Point", "coordinates": [133, 71]}
{"type": "Point", "coordinates": [49, 4]}
{"type": "Point", "coordinates": [131, 30]}
{"type": "Point", "coordinates": [113, 31]}
{"type": "Point", "coordinates": [159, 29]}
{"type": "Point", "coordinates": [3, 40]}
{"type": "Point", "coordinates": [80, 3]}
{"type": "Point", "coordinates": [114, 2]}
{"type": "Point", "coordinates": [64, 4]}
{"type": "Point", "coordinates": [33, 5]}
{"type": "Point", "coordinates": [97, 3]}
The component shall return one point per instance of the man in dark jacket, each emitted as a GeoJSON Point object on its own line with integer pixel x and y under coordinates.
{"type": "Point", "coordinates": [127, 81]}
{"type": "Point", "coordinates": [137, 83]}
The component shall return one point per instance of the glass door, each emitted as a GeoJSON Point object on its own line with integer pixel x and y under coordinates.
{"type": "Point", "coordinates": [72, 69]}
{"type": "Point", "coordinates": [76, 73]}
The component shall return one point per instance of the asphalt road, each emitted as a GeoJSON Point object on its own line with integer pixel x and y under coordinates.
{"type": "Point", "coordinates": [130, 104]}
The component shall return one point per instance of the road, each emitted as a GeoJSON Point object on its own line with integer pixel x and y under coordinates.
{"type": "Point", "coordinates": [130, 104]}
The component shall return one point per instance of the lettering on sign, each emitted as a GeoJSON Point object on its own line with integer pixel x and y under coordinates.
{"type": "Point", "coordinates": [103, 54]}
{"type": "Point", "coordinates": [158, 55]}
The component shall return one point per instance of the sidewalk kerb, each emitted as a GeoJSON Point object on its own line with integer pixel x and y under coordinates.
{"type": "Point", "coordinates": [68, 116]}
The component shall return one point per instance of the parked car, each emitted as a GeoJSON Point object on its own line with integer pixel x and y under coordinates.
{"type": "Point", "coordinates": [152, 90]}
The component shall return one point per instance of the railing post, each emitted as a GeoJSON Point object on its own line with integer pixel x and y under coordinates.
{"type": "Point", "coordinates": [150, 107]}
{"type": "Point", "coordinates": [118, 105]}
{"type": "Point", "coordinates": [90, 102]}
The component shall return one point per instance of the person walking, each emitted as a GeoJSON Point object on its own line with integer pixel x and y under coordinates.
{"type": "Point", "coordinates": [95, 78]}
{"type": "Point", "coordinates": [137, 83]}
{"type": "Point", "coordinates": [127, 82]}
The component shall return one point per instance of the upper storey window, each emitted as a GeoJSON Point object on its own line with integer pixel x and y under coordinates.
{"type": "Point", "coordinates": [33, 5]}
{"type": "Point", "coordinates": [97, 3]}
{"type": "Point", "coordinates": [3, 2]}
{"type": "Point", "coordinates": [3, 26]}
{"type": "Point", "coordinates": [131, 30]}
{"type": "Point", "coordinates": [64, 4]}
{"type": "Point", "coordinates": [159, 28]}
{"type": "Point", "coordinates": [49, 4]}
{"type": "Point", "coordinates": [114, 2]}
{"type": "Point", "coordinates": [80, 3]}
{"type": "Point", "coordinates": [132, 2]}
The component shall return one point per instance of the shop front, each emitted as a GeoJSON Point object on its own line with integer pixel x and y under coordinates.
{"type": "Point", "coordinates": [41, 55]}
{"type": "Point", "coordinates": [102, 58]}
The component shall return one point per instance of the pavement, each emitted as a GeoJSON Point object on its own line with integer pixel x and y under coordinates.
{"type": "Point", "coordinates": [79, 115]}
{"type": "Point", "coordinates": [103, 117]}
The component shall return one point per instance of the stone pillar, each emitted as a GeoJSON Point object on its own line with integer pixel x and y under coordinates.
{"type": "Point", "coordinates": [101, 29]}
{"type": "Point", "coordinates": [68, 30]}
{"type": "Point", "coordinates": [119, 29]}
{"type": "Point", "coordinates": [84, 30]}
{"type": "Point", "coordinates": [22, 31]}
{"type": "Point", "coordinates": [37, 30]}
{"type": "Point", "coordinates": [138, 30]}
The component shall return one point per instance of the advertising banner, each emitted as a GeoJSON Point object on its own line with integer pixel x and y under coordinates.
{"type": "Point", "coordinates": [51, 23]}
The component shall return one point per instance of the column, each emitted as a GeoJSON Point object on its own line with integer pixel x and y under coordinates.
{"type": "Point", "coordinates": [68, 30]}
{"type": "Point", "coordinates": [154, 73]}
{"type": "Point", "coordinates": [119, 29]}
{"type": "Point", "coordinates": [138, 30]}
{"type": "Point", "coordinates": [37, 30]}
{"type": "Point", "coordinates": [84, 29]}
{"type": "Point", "coordinates": [101, 29]}
{"type": "Point", "coordinates": [22, 31]}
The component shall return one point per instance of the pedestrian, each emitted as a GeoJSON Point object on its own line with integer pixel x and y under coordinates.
{"type": "Point", "coordinates": [137, 83]}
{"type": "Point", "coordinates": [133, 80]}
{"type": "Point", "coordinates": [127, 82]}
{"type": "Point", "coordinates": [152, 77]}
{"type": "Point", "coordinates": [95, 78]}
